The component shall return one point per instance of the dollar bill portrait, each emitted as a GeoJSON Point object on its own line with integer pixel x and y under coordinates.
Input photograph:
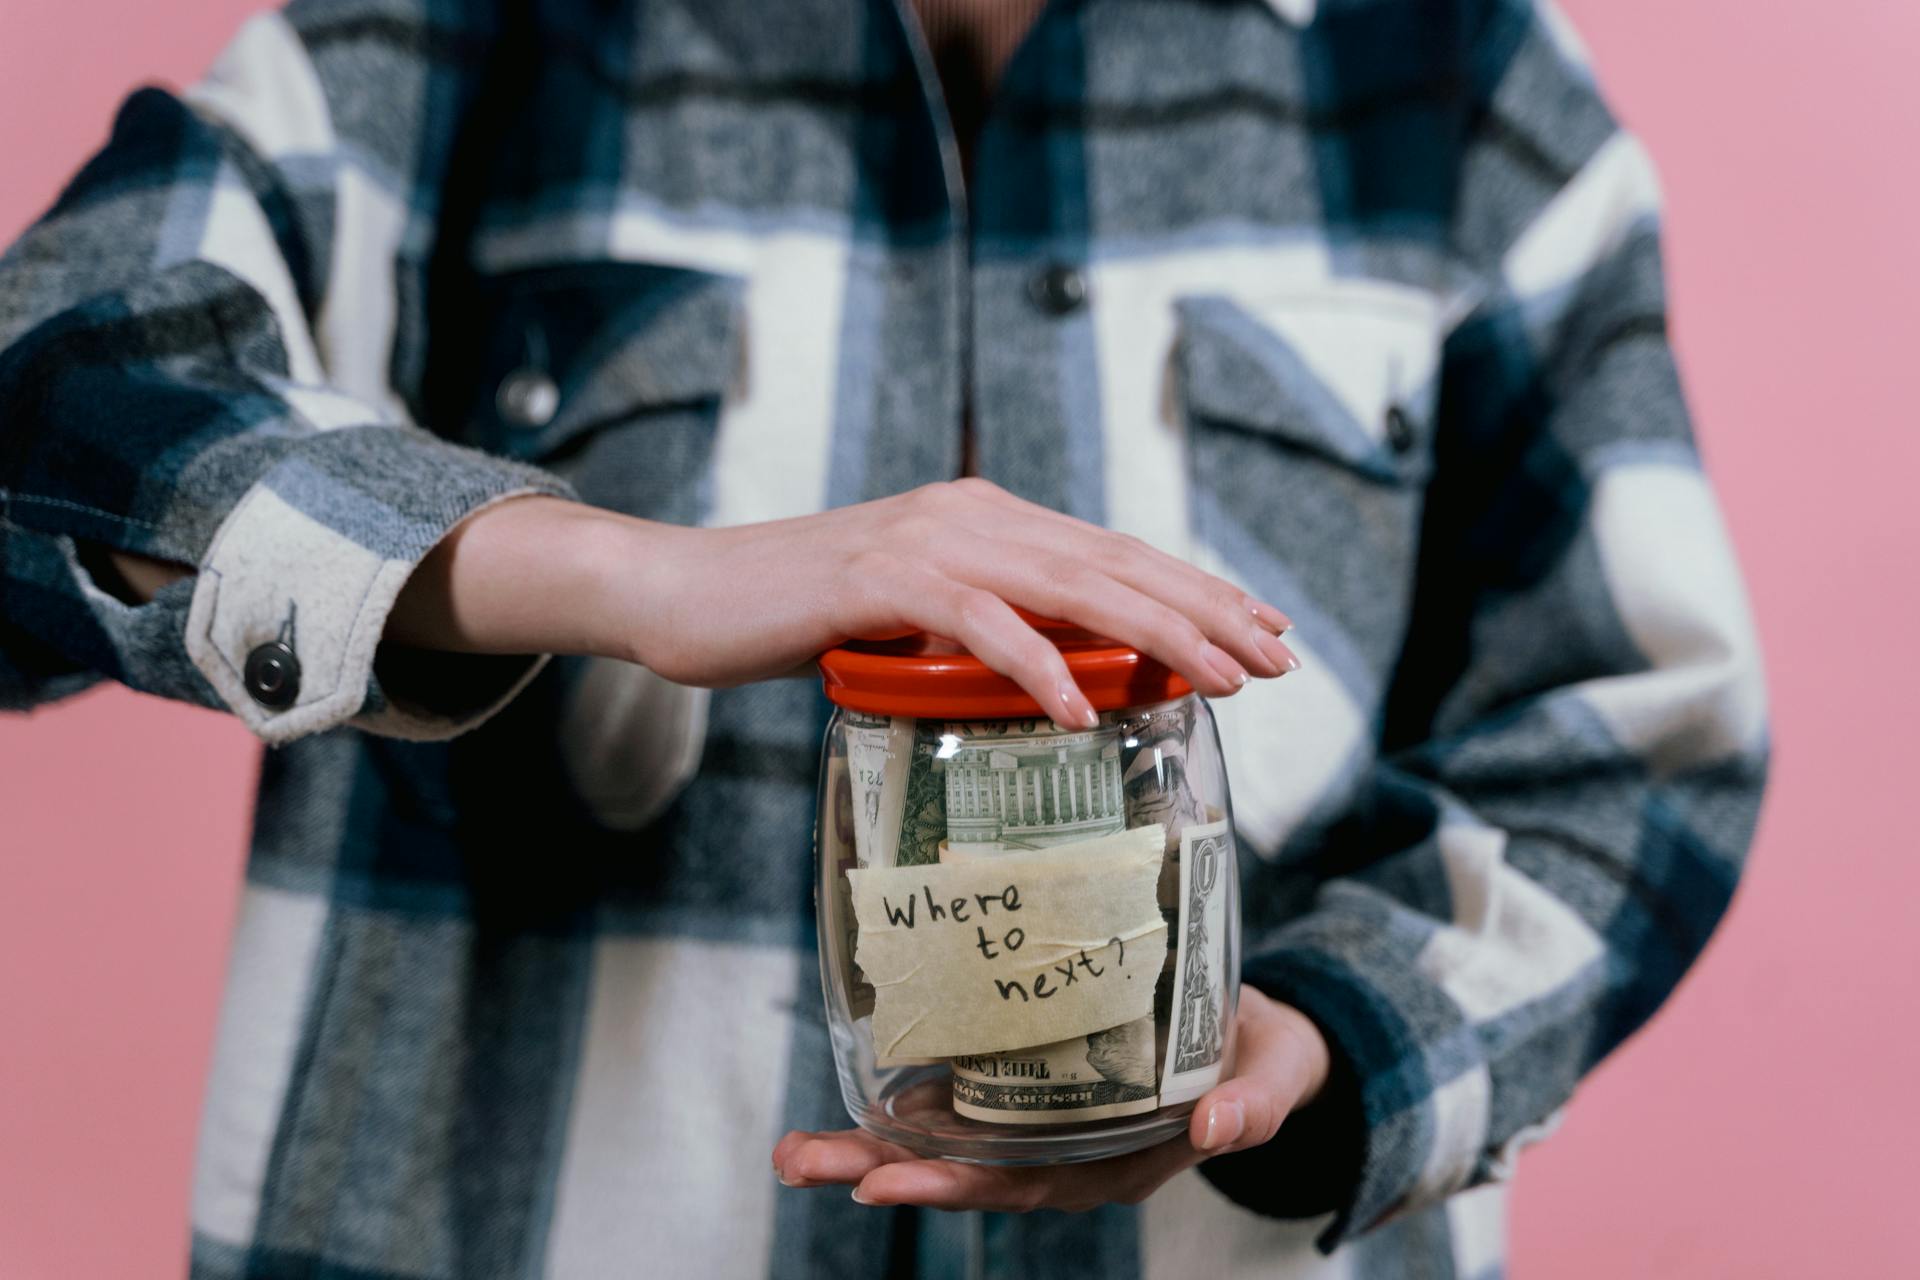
{"type": "Point", "coordinates": [1154, 775]}
{"type": "Point", "coordinates": [1124, 1054]}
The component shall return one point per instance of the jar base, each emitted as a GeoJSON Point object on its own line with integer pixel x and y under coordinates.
{"type": "Point", "coordinates": [915, 1110]}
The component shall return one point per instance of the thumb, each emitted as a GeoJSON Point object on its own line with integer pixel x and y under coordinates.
{"type": "Point", "coordinates": [1282, 1062]}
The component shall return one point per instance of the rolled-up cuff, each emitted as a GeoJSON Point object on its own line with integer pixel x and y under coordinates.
{"type": "Point", "coordinates": [295, 588]}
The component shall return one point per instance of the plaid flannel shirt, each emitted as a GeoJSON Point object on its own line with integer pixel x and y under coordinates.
{"type": "Point", "coordinates": [1357, 304]}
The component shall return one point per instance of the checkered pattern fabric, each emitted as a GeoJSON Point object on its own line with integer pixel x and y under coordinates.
{"type": "Point", "coordinates": [1357, 303]}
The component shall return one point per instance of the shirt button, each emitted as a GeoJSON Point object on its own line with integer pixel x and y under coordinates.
{"type": "Point", "coordinates": [273, 675]}
{"type": "Point", "coordinates": [1399, 429]}
{"type": "Point", "coordinates": [1057, 289]}
{"type": "Point", "coordinates": [527, 398]}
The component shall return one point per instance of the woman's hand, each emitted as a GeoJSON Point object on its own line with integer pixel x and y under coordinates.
{"type": "Point", "coordinates": [1282, 1064]}
{"type": "Point", "coordinates": [720, 607]}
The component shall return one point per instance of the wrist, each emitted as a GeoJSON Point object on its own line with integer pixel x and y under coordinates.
{"type": "Point", "coordinates": [626, 572]}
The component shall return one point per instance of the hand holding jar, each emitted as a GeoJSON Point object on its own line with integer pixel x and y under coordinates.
{"type": "Point", "coordinates": [1281, 1064]}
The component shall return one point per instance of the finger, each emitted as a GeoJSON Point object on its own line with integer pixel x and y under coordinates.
{"type": "Point", "coordinates": [885, 593]}
{"type": "Point", "coordinates": [783, 1153]}
{"type": "Point", "coordinates": [846, 1156]}
{"type": "Point", "coordinates": [1238, 1114]}
{"type": "Point", "coordinates": [990, 630]}
{"type": "Point", "coordinates": [1245, 627]}
{"type": "Point", "coordinates": [1250, 629]}
{"type": "Point", "coordinates": [941, 1184]}
{"type": "Point", "coordinates": [1276, 1063]}
{"type": "Point", "coordinates": [1268, 616]}
{"type": "Point", "coordinates": [1077, 592]}
{"type": "Point", "coordinates": [1133, 549]}
{"type": "Point", "coordinates": [785, 1146]}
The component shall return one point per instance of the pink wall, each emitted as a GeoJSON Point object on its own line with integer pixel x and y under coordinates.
{"type": "Point", "coordinates": [1763, 1127]}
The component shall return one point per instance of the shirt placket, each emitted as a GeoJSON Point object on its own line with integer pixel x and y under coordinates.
{"type": "Point", "coordinates": [1033, 391]}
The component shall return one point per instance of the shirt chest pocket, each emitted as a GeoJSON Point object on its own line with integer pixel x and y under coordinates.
{"type": "Point", "coordinates": [612, 375]}
{"type": "Point", "coordinates": [1342, 377]}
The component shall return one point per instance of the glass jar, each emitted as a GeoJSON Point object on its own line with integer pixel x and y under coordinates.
{"type": "Point", "coordinates": [1029, 936]}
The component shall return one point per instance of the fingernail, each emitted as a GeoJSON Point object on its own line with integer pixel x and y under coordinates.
{"type": "Point", "coordinates": [785, 1181]}
{"type": "Point", "coordinates": [1274, 651]}
{"type": "Point", "coordinates": [1080, 712]}
{"type": "Point", "coordinates": [858, 1198]}
{"type": "Point", "coordinates": [1225, 1123]}
{"type": "Point", "coordinates": [1223, 665]}
{"type": "Point", "coordinates": [1268, 616]}
{"type": "Point", "coordinates": [1263, 643]}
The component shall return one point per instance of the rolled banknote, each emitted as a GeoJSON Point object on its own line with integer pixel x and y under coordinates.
{"type": "Point", "coordinates": [879, 749]}
{"type": "Point", "coordinates": [1155, 771]}
{"type": "Point", "coordinates": [1196, 1034]}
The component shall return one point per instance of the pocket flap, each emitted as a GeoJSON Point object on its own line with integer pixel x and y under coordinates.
{"type": "Point", "coordinates": [1347, 379]}
{"type": "Point", "coordinates": [578, 346]}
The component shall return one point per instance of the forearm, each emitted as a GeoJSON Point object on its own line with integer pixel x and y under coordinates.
{"type": "Point", "coordinates": [533, 574]}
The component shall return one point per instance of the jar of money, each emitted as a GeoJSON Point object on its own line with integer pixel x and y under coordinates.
{"type": "Point", "coordinates": [1029, 935]}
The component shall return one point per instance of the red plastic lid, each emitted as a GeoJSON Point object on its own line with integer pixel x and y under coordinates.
{"type": "Point", "coordinates": [925, 676]}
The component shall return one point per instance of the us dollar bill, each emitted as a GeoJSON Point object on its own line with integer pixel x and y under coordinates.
{"type": "Point", "coordinates": [993, 786]}
{"type": "Point", "coordinates": [1015, 785]}
{"type": "Point", "coordinates": [879, 752]}
{"type": "Point", "coordinates": [1196, 1032]}
{"type": "Point", "coordinates": [1093, 1077]}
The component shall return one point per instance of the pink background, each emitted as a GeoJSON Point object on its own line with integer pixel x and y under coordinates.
{"type": "Point", "coordinates": [1763, 1126]}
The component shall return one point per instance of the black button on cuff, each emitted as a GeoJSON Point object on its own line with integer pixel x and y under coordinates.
{"type": "Point", "coordinates": [1057, 290]}
{"type": "Point", "coordinates": [1399, 429]}
{"type": "Point", "coordinates": [273, 675]}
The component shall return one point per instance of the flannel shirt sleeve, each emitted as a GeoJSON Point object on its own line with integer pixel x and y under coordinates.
{"type": "Point", "coordinates": [1575, 742]}
{"type": "Point", "coordinates": [196, 343]}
